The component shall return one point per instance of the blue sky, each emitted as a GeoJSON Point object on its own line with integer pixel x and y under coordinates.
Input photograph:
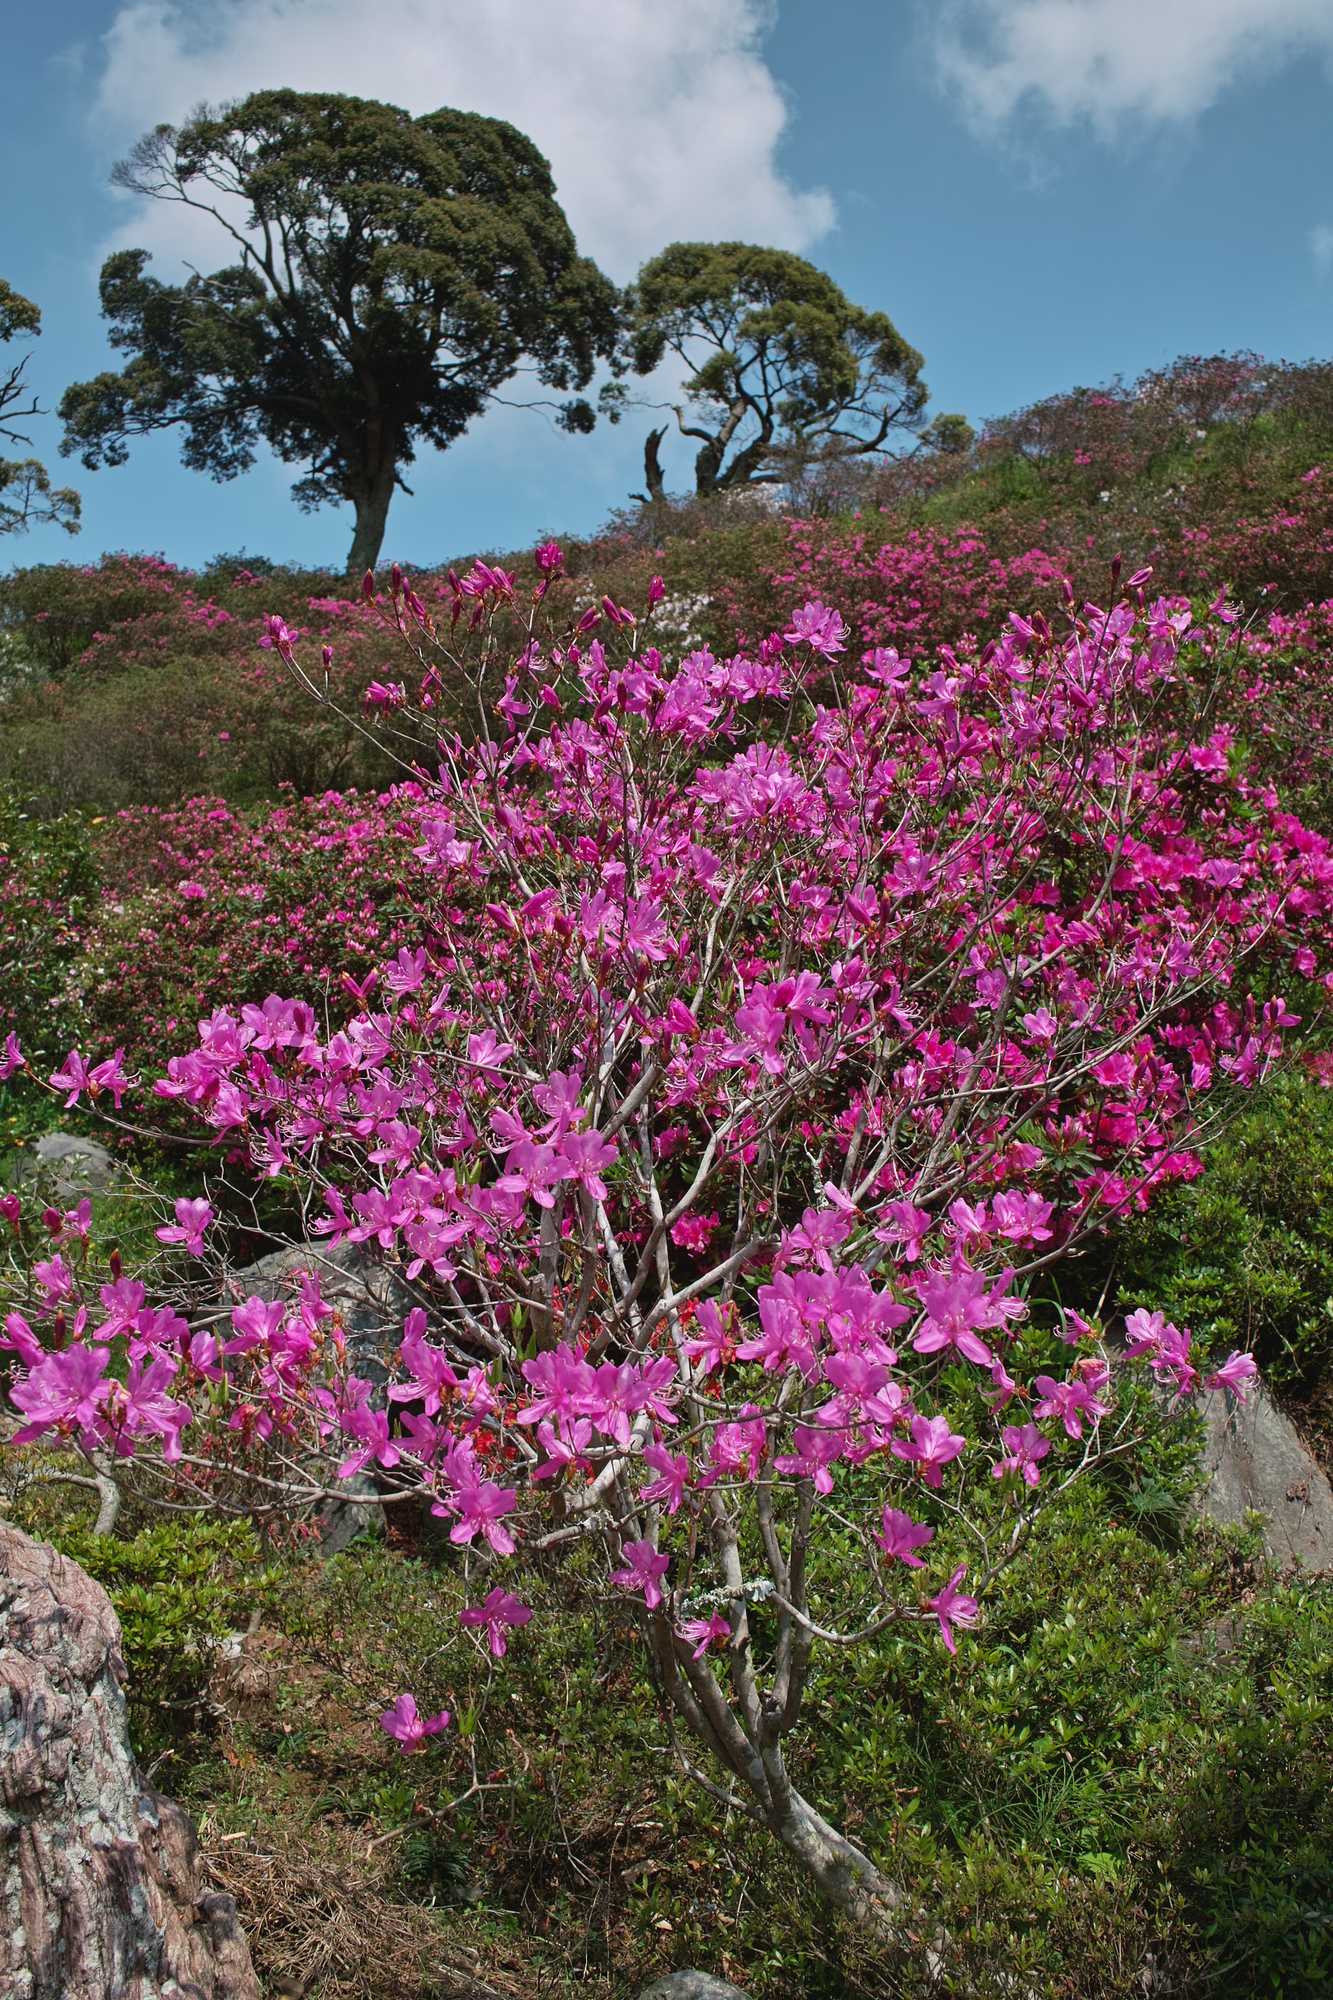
{"type": "Point", "coordinates": [1040, 192]}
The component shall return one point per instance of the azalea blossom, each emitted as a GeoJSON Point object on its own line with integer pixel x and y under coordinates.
{"type": "Point", "coordinates": [705, 1634]}
{"type": "Point", "coordinates": [1024, 1449]}
{"type": "Point", "coordinates": [642, 1569]}
{"type": "Point", "coordinates": [952, 1608]}
{"type": "Point", "coordinates": [410, 1729]}
{"type": "Point", "coordinates": [499, 1614]}
{"type": "Point", "coordinates": [900, 1537]}
{"type": "Point", "coordinates": [1236, 1375]}
{"type": "Point", "coordinates": [193, 1220]}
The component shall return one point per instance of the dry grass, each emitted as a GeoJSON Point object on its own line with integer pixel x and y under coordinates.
{"type": "Point", "coordinates": [318, 1904]}
{"type": "Point", "coordinates": [321, 1893]}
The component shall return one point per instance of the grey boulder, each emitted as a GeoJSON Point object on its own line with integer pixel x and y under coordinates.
{"type": "Point", "coordinates": [690, 1985]}
{"type": "Point", "coordinates": [75, 1166]}
{"type": "Point", "coordinates": [372, 1304]}
{"type": "Point", "coordinates": [106, 1895]}
{"type": "Point", "coordinates": [1254, 1462]}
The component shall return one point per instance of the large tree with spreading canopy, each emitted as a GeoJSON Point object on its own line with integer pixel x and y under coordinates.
{"type": "Point", "coordinates": [389, 276]}
{"type": "Point", "coordinates": [782, 367]}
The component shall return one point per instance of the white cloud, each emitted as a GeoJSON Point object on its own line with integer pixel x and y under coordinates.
{"type": "Point", "coordinates": [1321, 247]}
{"type": "Point", "coordinates": [660, 117]}
{"type": "Point", "coordinates": [1107, 62]}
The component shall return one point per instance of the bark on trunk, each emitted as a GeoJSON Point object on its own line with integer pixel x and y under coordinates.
{"type": "Point", "coordinates": [840, 1871]}
{"type": "Point", "coordinates": [104, 1890]}
{"type": "Point", "coordinates": [653, 477]}
{"type": "Point", "coordinates": [372, 513]}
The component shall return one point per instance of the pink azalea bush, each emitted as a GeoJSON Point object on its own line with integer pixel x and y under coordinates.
{"type": "Point", "coordinates": [771, 1024]}
{"type": "Point", "coordinates": [920, 586]}
{"type": "Point", "coordinates": [205, 905]}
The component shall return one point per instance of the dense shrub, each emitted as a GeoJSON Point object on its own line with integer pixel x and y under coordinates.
{"type": "Point", "coordinates": [178, 1589]}
{"type": "Point", "coordinates": [48, 883]}
{"type": "Point", "coordinates": [205, 907]}
{"type": "Point", "coordinates": [142, 683]}
{"type": "Point", "coordinates": [919, 995]}
{"type": "Point", "coordinates": [1244, 1254]}
{"type": "Point", "coordinates": [920, 590]}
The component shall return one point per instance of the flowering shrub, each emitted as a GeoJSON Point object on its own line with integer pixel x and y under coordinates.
{"type": "Point", "coordinates": [143, 683]}
{"type": "Point", "coordinates": [207, 907]}
{"type": "Point", "coordinates": [757, 1053]}
{"type": "Point", "coordinates": [47, 882]}
{"type": "Point", "coordinates": [925, 587]}
{"type": "Point", "coordinates": [1286, 553]}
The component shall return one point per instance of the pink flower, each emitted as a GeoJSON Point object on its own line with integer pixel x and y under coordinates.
{"type": "Point", "coordinates": [141, 1408]}
{"type": "Point", "coordinates": [958, 1301]}
{"type": "Point", "coordinates": [533, 1169]}
{"type": "Point", "coordinates": [73, 1077]}
{"type": "Point", "coordinates": [1070, 1401]}
{"type": "Point", "coordinates": [673, 1470]}
{"type": "Point", "coordinates": [481, 1506]}
{"type": "Point", "coordinates": [643, 1569]}
{"type": "Point", "coordinates": [816, 626]}
{"type": "Point", "coordinates": [900, 1537]}
{"type": "Point", "coordinates": [1024, 1448]}
{"type": "Point", "coordinates": [193, 1219]}
{"type": "Point", "coordinates": [64, 1392]}
{"type": "Point", "coordinates": [498, 1613]}
{"type": "Point", "coordinates": [409, 1729]}
{"type": "Point", "coordinates": [580, 1157]}
{"type": "Point", "coordinates": [931, 1446]}
{"type": "Point", "coordinates": [705, 1633]}
{"type": "Point", "coordinates": [816, 1450]}
{"type": "Point", "coordinates": [1235, 1375]}
{"type": "Point", "coordinates": [952, 1608]}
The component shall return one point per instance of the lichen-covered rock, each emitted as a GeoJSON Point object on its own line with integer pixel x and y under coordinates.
{"type": "Point", "coordinates": [105, 1895]}
{"type": "Point", "coordinates": [1254, 1462]}
{"type": "Point", "coordinates": [372, 1304]}
{"type": "Point", "coordinates": [75, 1166]}
{"type": "Point", "coordinates": [691, 1985]}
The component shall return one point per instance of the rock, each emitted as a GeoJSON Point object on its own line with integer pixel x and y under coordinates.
{"type": "Point", "coordinates": [691, 1985]}
{"type": "Point", "coordinates": [372, 1301]}
{"type": "Point", "coordinates": [1254, 1461]}
{"type": "Point", "coordinates": [342, 1522]}
{"type": "Point", "coordinates": [104, 1889]}
{"type": "Point", "coordinates": [373, 1304]}
{"type": "Point", "coordinates": [75, 1166]}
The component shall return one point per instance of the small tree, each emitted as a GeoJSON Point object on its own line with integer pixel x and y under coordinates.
{"type": "Point", "coordinates": [391, 274]}
{"type": "Point", "coordinates": [720, 1127]}
{"type": "Point", "coordinates": [784, 369]}
{"type": "Point", "coordinates": [26, 493]}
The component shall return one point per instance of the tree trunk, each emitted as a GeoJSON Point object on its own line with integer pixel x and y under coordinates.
{"type": "Point", "coordinates": [371, 500]}
{"type": "Point", "coordinates": [844, 1875]}
{"type": "Point", "coordinates": [653, 477]}
{"type": "Point", "coordinates": [105, 1894]}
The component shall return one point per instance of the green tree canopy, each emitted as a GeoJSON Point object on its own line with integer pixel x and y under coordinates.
{"type": "Point", "coordinates": [783, 367]}
{"type": "Point", "coordinates": [26, 493]}
{"type": "Point", "coordinates": [390, 275]}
